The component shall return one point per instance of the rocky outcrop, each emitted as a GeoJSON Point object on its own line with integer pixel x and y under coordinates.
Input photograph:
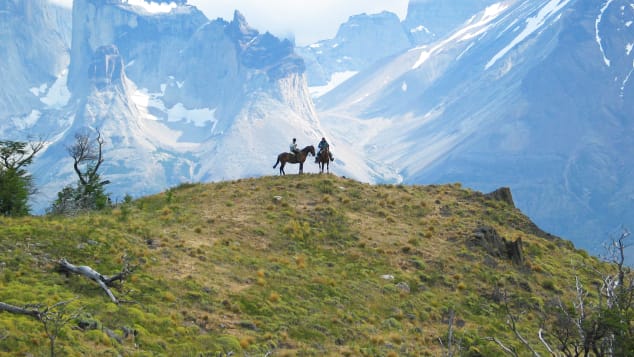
{"type": "Point", "coordinates": [501, 194]}
{"type": "Point", "coordinates": [488, 238]}
{"type": "Point", "coordinates": [106, 69]}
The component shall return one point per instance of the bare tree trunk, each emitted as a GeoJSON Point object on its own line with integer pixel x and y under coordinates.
{"type": "Point", "coordinates": [104, 281]}
{"type": "Point", "coordinates": [450, 332]}
{"type": "Point", "coordinates": [53, 318]}
{"type": "Point", "coordinates": [19, 310]}
{"type": "Point", "coordinates": [503, 347]}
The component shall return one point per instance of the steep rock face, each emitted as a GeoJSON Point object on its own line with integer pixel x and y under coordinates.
{"type": "Point", "coordinates": [181, 56]}
{"type": "Point", "coordinates": [34, 52]}
{"type": "Point", "coordinates": [147, 43]}
{"type": "Point", "coordinates": [133, 164]}
{"type": "Point", "coordinates": [174, 95]}
{"type": "Point", "coordinates": [360, 42]}
{"type": "Point", "coordinates": [106, 69]}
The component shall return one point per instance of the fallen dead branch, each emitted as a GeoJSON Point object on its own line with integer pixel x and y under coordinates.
{"type": "Point", "coordinates": [20, 310]}
{"type": "Point", "coordinates": [104, 281]}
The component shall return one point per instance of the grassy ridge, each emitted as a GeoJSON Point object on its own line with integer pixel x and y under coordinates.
{"type": "Point", "coordinates": [307, 265]}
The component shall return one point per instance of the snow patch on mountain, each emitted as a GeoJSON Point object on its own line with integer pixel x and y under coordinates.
{"type": "Point", "coordinates": [173, 136]}
{"type": "Point", "coordinates": [420, 28]}
{"type": "Point", "coordinates": [153, 7]}
{"type": "Point", "coordinates": [57, 95]}
{"type": "Point", "coordinates": [597, 36]}
{"type": "Point", "coordinates": [28, 121]}
{"type": "Point", "coordinates": [335, 80]}
{"type": "Point", "coordinates": [532, 25]}
{"type": "Point", "coordinates": [151, 102]}
{"type": "Point", "coordinates": [473, 28]}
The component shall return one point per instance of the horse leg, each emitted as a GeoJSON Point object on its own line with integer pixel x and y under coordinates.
{"type": "Point", "coordinates": [282, 168]}
{"type": "Point", "coordinates": [301, 168]}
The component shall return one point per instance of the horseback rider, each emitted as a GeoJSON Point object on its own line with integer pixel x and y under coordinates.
{"type": "Point", "coordinates": [323, 145]}
{"type": "Point", "coordinates": [294, 149]}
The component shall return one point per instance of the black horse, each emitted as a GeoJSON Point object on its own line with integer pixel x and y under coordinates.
{"type": "Point", "coordinates": [294, 159]}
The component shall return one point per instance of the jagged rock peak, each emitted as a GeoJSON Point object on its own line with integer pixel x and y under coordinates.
{"type": "Point", "coordinates": [263, 51]}
{"type": "Point", "coordinates": [239, 29]}
{"type": "Point", "coordinates": [106, 68]}
{"type": "Point", "coordinates": [502, 194]}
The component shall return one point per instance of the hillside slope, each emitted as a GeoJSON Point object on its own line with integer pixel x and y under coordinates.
{"type": "Point", "coordinates": [296, 265]}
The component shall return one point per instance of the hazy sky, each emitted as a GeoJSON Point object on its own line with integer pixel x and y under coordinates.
{"type": "Point", "coordinates": [308, 20]}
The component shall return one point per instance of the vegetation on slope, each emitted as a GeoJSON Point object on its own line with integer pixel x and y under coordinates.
{"type": "Point", "coordinates": [307, 265]}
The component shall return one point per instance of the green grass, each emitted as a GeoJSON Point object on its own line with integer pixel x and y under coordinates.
{"type": "Point", "coordinates": [294, 265]}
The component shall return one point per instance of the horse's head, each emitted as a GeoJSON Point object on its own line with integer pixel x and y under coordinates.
{"type": "Point", "coordinates": [310, 149]}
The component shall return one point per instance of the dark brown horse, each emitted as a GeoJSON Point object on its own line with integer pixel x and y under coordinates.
{"type": "Point", "coordinates": [291, 158]}
{"type": "Point", "coordinates": [323, 159]}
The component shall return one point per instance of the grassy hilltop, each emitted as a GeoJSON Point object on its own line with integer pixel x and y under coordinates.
{"type": "Point", "coordinates": [311, 265]}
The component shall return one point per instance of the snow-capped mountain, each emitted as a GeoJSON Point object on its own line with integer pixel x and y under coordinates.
{"type": "Point", "coordinates": [365, 39]}
{"type": "Point", "coordinates": [178, 98]}
{"type": "Point", "coordinates": [531, 94]}
{"type": "Point", "coordinates": [359, 43]}
{"type": "Point", "coordinates": [536, 95]}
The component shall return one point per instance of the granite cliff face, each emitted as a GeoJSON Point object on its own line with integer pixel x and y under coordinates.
{"type": "Point", "coordinates": [35, 45]}
{"type": "Point", "coordinates": [171, 92]}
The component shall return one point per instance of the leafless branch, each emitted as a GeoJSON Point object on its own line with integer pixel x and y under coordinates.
{"type": "Point", "coordinates": [19, 310]}
{"type": "Point", "coordinates": [540, 333]}
{"type": "Point", "coordinates": [85, 151]}
{"type": "Point", "coordinates": [14, 154]}
{"type": "Point", "coordinates": [503, 347]}
{"type": "Point", "coordinates": [105, 282]}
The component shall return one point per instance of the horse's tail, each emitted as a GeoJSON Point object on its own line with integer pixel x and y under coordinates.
{"type": "Point", "coordinates": [277, 162]}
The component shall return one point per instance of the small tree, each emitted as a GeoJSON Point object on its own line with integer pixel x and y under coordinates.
{"type": "Point", "coordinates": [89, 192]}
{"type": "Point", "coordinates": [54, 318]}
{"type": "Point", "coordinates": [16, 185]}
{"type": "Point", "coordinates": [603, 326]}
{"type": "Point", "coordinates": [617, 298]}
